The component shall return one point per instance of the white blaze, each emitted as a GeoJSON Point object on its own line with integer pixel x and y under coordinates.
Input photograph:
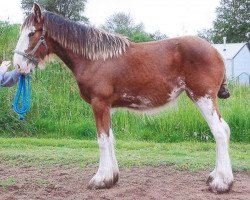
{"type": "Point", "coordinates": [22, 46]}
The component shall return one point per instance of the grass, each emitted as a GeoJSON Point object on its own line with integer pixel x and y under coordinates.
{"type": "Point", "coordinates": [8, 39]}
{"type": "Point", "coordinates": [185, 155]}
{"type": "Point", "coordinates": [58, 117]}
{"type": "Point", "coordinates": [7, 182]}
{"type": "Point", "coordinates": [57, 110]}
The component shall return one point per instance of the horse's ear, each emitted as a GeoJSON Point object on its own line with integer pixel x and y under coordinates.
{"type": "Point", "coordinates": [37, 12]}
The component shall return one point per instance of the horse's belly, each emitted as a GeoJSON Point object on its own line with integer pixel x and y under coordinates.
{"type": "Point", "coordinates": [148, 109]}
{"type": "Point", "coordinates": [149, 103]}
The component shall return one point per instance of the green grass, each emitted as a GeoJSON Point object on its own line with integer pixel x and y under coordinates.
{"type": "Point", "coordinates": [57, 110]}
{"type": "Point", "coordinates": [8, 40]}
{"type": "Point", "coordinates": [185, 155]}
{"type": "Point", "coordinates": [7, 182]}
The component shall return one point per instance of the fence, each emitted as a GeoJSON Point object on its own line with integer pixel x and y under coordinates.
{"type": "Point", "coordinates": [243, 79]}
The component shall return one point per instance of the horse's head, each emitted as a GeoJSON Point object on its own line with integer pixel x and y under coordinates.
{"type": "Point", "coordinates": [31, 47]}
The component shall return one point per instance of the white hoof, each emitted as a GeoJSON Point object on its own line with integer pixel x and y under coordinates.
{"type": "Point", "coordinates": [220, 183]}
{"type": "Point", "coordinates": [101, 182]}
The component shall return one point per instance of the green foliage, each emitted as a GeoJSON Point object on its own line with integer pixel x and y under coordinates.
{"type": "Point", "coordinates": [157, 35]}
{"type": "Point", "coordinates": [232, 21]}
{"type": "Point", "coordinates": [123, 23]}
{"type": "Point", "coordinates": [58, 111]}
{"type": "Point", "coordinates": [140, 37]}
{"type": "Point", "coordinates": [67, 8]}
{"type": "Point", "coordinates": [52, 89]}
{"type": "Point", "coordinates": [206, 34]}
{"type": "Point", "coordinates": [8, 40]}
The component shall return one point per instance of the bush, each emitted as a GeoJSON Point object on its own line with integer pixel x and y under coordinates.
{"type": "Point", "coordinates": [57, 110]}
{"type": "Point", "coordinates": [8, 39]}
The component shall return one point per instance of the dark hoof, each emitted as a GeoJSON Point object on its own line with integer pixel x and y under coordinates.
{"type": "Point", "coordinates": [223, 93]}
{"type": "Point", "coordinates": [209, 180]}
{"type": "Point", "coordinates": [116, 177]}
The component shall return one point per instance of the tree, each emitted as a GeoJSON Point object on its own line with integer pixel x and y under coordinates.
{"type": "Point", "coordinates": [141, 37]}
{"type": "Point", "coordinates": [123, 23]}
{"type": "Point", "coordinates": [157, 35]}
{"type": "Point", "coordinates": [206, 34]}
{"type": "Point", "coordinates": [71, 9]}
{"type": "Point", "coordinates": [232, 21]}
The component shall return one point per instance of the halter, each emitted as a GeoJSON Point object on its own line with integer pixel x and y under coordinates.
{"type": "Point", "coordinates": [30, 56]}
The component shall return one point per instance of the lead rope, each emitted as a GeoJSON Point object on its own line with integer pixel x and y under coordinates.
{"type": "Point", "coordinates": [24, 94]}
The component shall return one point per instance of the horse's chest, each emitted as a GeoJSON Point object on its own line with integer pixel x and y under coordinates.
{"type": "Point", "coordinates": [85, 91]}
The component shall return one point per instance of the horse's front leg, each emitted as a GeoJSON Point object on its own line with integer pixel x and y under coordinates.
{"type": "Point", "coordinates": [107, 174]}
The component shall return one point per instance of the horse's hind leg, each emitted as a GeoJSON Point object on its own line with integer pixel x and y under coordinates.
{"type": "Point", "coordinates": [107, 174]}
{"type": "Point", "coordinates": [221, 179]}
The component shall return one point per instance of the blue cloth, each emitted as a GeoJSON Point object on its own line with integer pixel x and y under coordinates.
{"type": "Point", "coordinates": [9, 79]}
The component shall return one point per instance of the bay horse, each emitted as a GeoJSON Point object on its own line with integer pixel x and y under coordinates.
{"type": "Point", "coordinates": [113, 72]}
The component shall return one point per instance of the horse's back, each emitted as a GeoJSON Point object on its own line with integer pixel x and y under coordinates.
{"type": "Point", "coordinates": [181, 56]}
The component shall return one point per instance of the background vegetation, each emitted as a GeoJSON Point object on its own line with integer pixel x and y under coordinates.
{"type": "Point", "coordinates": [8, 39]}
{"type": "Point", "coordinates": [123, 23]}
{"type": "Point", "coordinates": [72, 10]}
{"type": "Point", "coordinates": [58, 112]}
{"type": "Point", "coordinates": [232, 21]}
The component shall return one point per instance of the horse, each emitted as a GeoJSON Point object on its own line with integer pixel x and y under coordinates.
{"type": "Point", "coordinates": [111, 72]}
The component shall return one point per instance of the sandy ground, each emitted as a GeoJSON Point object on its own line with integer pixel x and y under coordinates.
{"type": "Point", "coordinates": [163, 182]}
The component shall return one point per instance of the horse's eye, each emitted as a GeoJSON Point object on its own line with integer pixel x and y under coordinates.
{"type": "Point", "coordinates": [31, 34]}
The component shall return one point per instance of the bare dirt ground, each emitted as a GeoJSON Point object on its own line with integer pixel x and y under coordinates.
{"type": "Point", "coordinates": [163, 182]}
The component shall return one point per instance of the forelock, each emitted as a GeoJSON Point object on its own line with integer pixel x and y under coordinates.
{"type": "Point", "coordinates": [29, 21]}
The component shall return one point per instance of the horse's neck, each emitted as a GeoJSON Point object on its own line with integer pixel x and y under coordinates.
{"type": "Point", "coordinates": [70, 58]}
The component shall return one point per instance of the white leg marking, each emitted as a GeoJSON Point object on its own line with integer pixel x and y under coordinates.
{"type": "Point", "coordinates": [107, 173]}
{"type": "Point", "coordinates": [222, 176]}
{"type": "Point", "coordinates": [112, 144]}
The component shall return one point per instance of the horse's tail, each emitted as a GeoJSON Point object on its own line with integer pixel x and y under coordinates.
{"type": "Point", "coordinates": [223, 91]}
